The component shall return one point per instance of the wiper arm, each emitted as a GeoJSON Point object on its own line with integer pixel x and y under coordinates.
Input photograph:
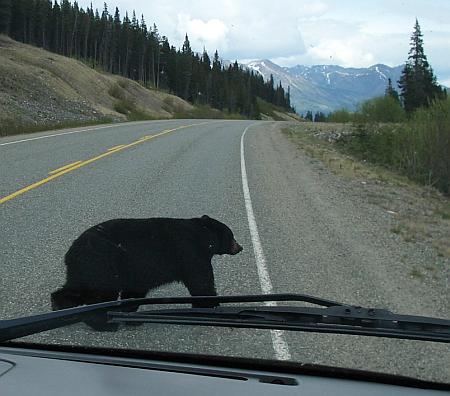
{"type": "Point", "coordinates": [21, 327]}
{"type": "Point", "coordinates": [342, 319]}
{"type": "Point", "coordinates": [335, 318]}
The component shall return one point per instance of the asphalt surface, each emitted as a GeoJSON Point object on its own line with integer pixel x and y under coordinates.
{"type": "Point", "coordinates": [314, 240]}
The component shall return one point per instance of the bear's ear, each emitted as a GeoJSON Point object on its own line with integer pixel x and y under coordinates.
{"type": "Point", "coordinates": [205, 217]}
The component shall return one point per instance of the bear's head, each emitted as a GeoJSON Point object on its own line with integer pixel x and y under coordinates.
{"type": "Point", "coordinates": [224, 242]}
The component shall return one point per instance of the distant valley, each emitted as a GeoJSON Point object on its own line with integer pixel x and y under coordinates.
{"type": "Point", "coordinates": [328, 87]}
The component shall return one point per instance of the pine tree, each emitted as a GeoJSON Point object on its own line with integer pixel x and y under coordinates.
{"type": "Point", "coordinates": [309, 115]}
{"type": "Point", "coordinates": [55, 22]}
{"type": "Point", "coordinates": [18, 20]}
{"type": "Point", "coordinates": [5, 16]}
{"type": "Point", "coordinates": [85, 28]}
{"type": "Point", "coordinates": [128, 48]}
{"type": "Point", "coordinates": [418, 83]}
{"type": "Point", "coordinates": [390, 91]}
{"type": "Point", "coordinates": [186, 49]}
{"type": "Point", "coordinates": [320, 117]}
{"type": "Point", "coordinates": [185, 70]}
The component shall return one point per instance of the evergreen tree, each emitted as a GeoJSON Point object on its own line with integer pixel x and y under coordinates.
{"type": "Point", "coordinates": [320, 117]}
{"type": "Point", "coordinates": [126, 44]}
{"type": "Point", "coordinates": [55, 21]}
{"type": "Point", "coordinates": [128, 48]}
{"type": "Point", "coordinates": [309, 115]}
{"type": "Point", "coordinates": [18, 20]}
{"type": "Point", "coordinates": [43, 9]}
{"type": "Point", "coordinates": [418, 83]}
{"type": "Point", "coordinates": [185, 70]}
{"type": "Point", "coordinates": [390, 91]}
{"type": "Point", "coordinates": [5, 16]}
{"type": "Point", "coordinates": [85, 30]}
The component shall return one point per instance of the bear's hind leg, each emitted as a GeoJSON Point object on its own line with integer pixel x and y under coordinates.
{"type": "Point", "coordinates": [98, 321]}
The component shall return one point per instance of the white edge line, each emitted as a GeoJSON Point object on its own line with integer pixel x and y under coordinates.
{"type": "Point", "coordinates": [78, 131]}
{"type": "Point", "coordinates": [56, 134]}
{"type": "Point", "coordinates": [280, 345]}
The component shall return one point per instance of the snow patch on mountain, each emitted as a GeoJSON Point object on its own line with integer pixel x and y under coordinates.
{"type": "Point", "coordinates": [328, 87]}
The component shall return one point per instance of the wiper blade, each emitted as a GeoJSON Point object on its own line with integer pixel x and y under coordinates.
{"type": "Point", "coordinates": [334, 319]}
{"type": "Point", "coordinates": [21, 327]}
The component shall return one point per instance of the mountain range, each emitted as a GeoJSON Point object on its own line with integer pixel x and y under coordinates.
{"type": "Point", "coordinates": [328, 87]}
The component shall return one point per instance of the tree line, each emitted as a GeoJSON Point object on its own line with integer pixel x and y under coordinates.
{"type": "Point", "coordinates": [127, 46]}
{"type": "Point", "coordinates": [418, 89]}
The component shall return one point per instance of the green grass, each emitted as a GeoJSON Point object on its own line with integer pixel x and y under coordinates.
{"type": "Point", "coordinates": [207, 112]}
{"type": "Point", "coordinates": [341, 116]}
{"type": "Point", "coordinates": [13, 127]}
{"type": "Point", "coordinates": [415, 273]}
{"type": "Point", "coordinates": [396, 229]}
{"type": "Point", "coordinates": [125, 105]}
{"type": "Point", "coordinates": [444, 212]}
{"type": "Point", "coordinates": [269, 109]}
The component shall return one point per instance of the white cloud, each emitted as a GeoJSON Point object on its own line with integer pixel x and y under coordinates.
{"type": "Point", "coordinates": [345, 53]}
{"type": "Point", "coordinates": [311, 9]}
{"type": "Point", "coordinates": [349, 33]}
{"type": "Point", "coordinates": [211, 34]}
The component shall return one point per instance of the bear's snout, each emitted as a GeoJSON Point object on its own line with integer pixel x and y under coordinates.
{"type": "Point", "coordinates": [235, 247]}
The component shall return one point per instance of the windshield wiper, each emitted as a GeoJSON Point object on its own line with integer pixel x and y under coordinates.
{"type": "Point", "coordinates": [336, 319]}
{"type": "Point", "coordinates": [333, 318]}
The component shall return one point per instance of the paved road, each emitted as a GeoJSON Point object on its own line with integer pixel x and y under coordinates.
{"type": "Point", "coordinates": [313, 241]}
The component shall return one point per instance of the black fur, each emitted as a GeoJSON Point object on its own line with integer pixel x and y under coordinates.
{"type": "Point", "coordinates": [132, 256]}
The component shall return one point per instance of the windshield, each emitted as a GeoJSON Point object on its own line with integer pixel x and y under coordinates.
{"type": "Point", "coordinates": [179, 148]}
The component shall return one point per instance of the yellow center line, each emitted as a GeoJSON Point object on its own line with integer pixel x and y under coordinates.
{"type": "Point", "coordinates": [79, 164]}
{"type": "Point", "coordinates": [64, 167]}
{"type": "Point", "coordinates": [116, 147]}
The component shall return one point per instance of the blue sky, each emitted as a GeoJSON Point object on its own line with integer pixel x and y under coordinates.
{"type": "Point", "coordinates": [289, 32]}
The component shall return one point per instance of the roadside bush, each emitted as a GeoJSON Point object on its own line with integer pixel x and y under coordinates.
{"type": "Point", "coordinates": [381, 109]}
{"type": "Point", "coordinates": [126, 106]}
{"type": "Point", "coordinates": [431, 129]}
{"type": "Point", "coordinates": [207, 112]}
{"type": "Point", "coordinates": [418, 147]}
{"type": "Point", "coordinates": [116, 91]}
{"type": "Point", "coordinates": [340, 116]}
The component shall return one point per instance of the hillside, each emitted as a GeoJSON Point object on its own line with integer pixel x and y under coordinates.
{"type": "Point", "coordinates": [40, 87]}
{"type": "Point", "coordinates": [328, 87]}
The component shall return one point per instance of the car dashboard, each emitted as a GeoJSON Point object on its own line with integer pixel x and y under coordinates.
{"type": "Point", "coordinates": [28, 371]}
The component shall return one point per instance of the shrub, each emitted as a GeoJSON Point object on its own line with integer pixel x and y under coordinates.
{"type": "Point", "coordinates": [418, 147]}
{"type": "Point", "coordinates": [340, 116]}
{"type": "Point", "coordinates": [381, 109]}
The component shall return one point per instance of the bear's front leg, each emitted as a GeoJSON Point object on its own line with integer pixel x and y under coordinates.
{"type": "Point", "coordinates": [200, 282]}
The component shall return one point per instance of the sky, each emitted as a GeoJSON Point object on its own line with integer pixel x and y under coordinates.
{"type": "Point", "coordinates": [348, 33]}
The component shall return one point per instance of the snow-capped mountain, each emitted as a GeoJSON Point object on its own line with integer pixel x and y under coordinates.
{"type": "Point", "coordinates": [328, 87]}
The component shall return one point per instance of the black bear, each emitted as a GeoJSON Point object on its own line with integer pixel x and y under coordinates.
{"type": "Point", "coordinates": [129, 257]}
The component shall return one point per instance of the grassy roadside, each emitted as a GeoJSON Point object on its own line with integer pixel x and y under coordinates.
{"type": "Point", "coordinates": [207, 112]}
{"type": "Point", "coordinates": [420, 213]}
{"type": "Point", "coordinates": [13, 127]}
{"type": "Point", "coordinates": [415, 144]}
{"type": "Point", "coordinates": [128, 108]}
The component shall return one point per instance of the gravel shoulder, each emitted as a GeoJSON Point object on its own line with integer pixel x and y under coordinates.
{"type": "Point", "coordinates": [324, 234]}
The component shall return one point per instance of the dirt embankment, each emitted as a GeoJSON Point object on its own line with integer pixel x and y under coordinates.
{"type": "Point", "coordinates": [39, 87]}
